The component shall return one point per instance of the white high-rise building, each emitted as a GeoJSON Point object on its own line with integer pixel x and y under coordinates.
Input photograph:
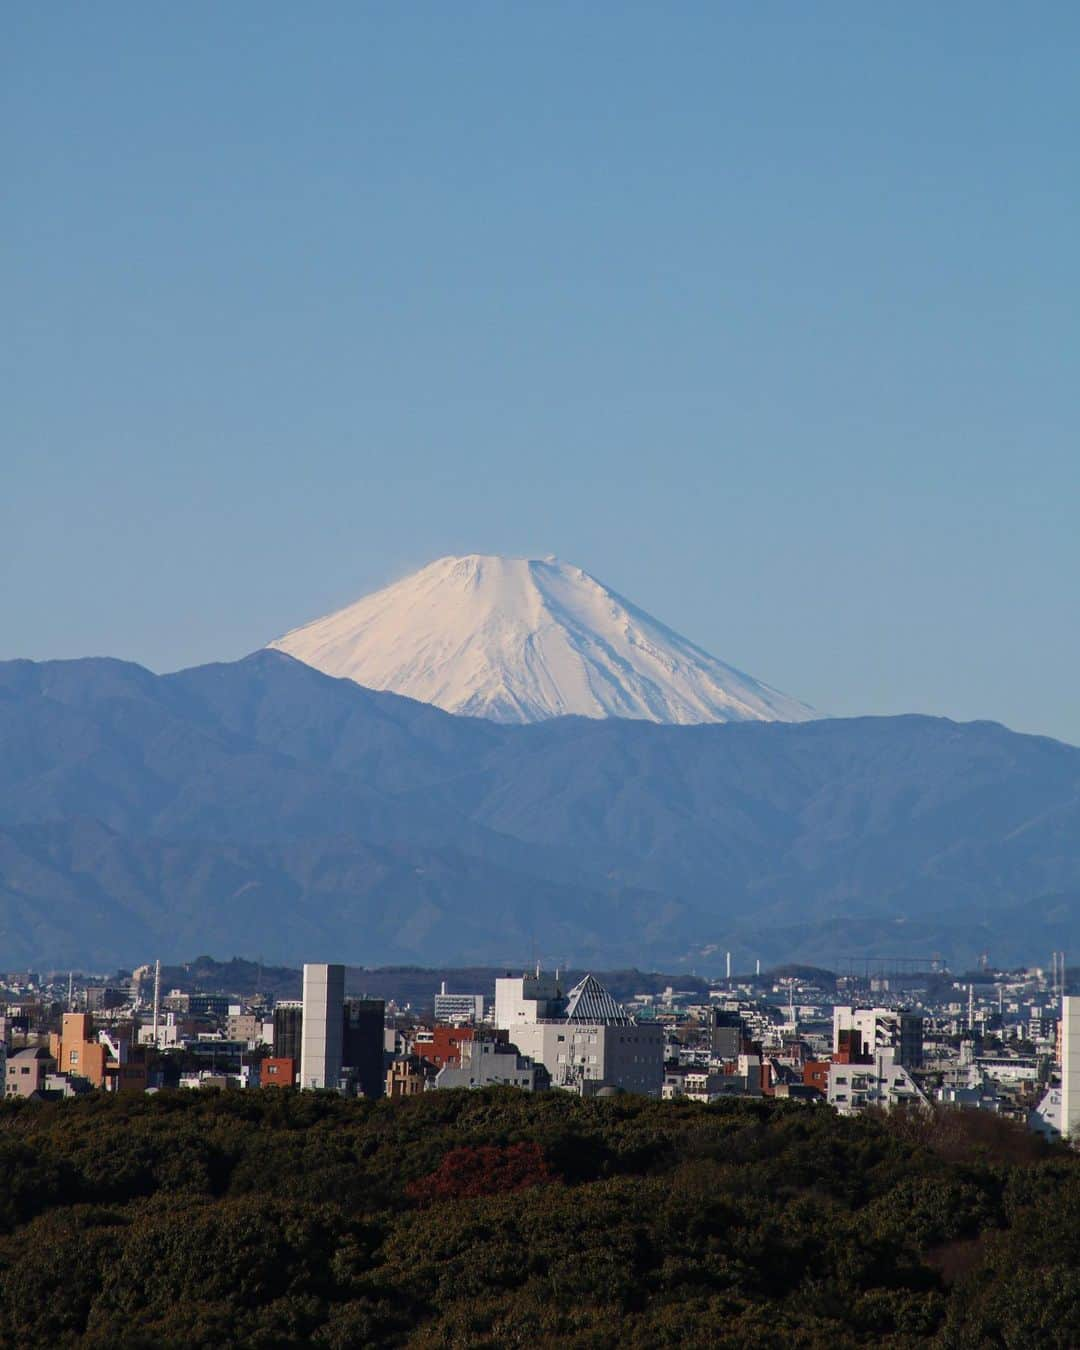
{"type": "Point", "coordinates": [322, 1026]}
{"type": "Point", "coordinates": [1070, 1067]}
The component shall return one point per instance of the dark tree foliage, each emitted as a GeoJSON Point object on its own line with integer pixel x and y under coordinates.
{"type": "Point", "coordinates": [278, 1219]}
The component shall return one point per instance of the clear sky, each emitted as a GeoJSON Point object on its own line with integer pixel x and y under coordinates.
{"type": "Point", "coordinates": [765, 314]}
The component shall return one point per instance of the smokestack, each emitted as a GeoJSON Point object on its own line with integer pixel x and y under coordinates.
{"type": "Point", "coordinates": [757, 966]}
{"type": "Point", "coordinates": [442, 987]}
{"type": "Point", "coordinates": [729, 965]}
{"type": "Point", "coordinates": [157, 997]}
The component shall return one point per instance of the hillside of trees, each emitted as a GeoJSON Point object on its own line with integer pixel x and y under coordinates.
{"type": "Point", "coordinates": [276, 1219]}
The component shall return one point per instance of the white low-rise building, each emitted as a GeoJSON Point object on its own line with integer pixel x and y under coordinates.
{"type": "Point", "coordinates": [458, 1007]}
{"type": "Point", "coordinates": [880, 1082]}
{"type": "Point", "coordinates": [1046, 1119]}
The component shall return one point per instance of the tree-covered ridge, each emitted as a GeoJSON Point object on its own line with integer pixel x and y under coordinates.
{"type": "Point", "coordinates": [280, 1219]}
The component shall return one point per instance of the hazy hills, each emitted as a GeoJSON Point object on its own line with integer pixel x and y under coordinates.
{"type": "Point", "coordinates": [261, 807]}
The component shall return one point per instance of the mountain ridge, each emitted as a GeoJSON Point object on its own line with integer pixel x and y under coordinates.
{"type": "Point", "coordinates": [262, 801]}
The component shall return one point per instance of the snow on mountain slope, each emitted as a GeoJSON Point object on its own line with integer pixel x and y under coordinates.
{"type": "Point", "coordinates": [522, 639]}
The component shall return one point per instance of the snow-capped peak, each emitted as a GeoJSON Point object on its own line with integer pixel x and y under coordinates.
{"type": "Point", "coordinates": [524, 639]}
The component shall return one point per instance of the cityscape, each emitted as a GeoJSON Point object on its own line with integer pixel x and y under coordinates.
{"type": "Point", "coordinates": [998, 1041]}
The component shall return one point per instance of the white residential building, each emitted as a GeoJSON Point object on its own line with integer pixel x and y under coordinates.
{"type": "Point", "coordinates": [879, 1029]}
{"type": "Point", "coordinates": [458, 1007]}
{"type": "Point", "coordinates": [1070, 1067]}
{"type": "Point", "coordinates": [881, 1082]}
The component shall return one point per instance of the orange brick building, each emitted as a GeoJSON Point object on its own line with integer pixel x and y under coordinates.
{"type": "Point", "coordinates": [76, 1052]}
{"type": "Point", "coordinates": [277, 1071]}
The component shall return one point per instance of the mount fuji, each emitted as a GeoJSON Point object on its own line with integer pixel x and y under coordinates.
{"type": "Point", "coordinates": [527, 639]}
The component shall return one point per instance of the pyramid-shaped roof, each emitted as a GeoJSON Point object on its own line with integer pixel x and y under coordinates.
{"type": "Point", "coordinates": [589, 1001]}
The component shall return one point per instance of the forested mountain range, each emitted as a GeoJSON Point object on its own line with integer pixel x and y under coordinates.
{"type": "Point", "coordinates": [260, 807]}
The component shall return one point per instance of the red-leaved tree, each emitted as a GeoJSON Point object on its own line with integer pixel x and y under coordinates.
{"type": "Point", "coordinates": [484, 1170]}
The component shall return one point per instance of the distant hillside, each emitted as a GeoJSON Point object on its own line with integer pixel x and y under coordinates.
{"type": "Point", "coordinates": [415, 985]}
{"type": "Point", "coordinates": [263, 807]}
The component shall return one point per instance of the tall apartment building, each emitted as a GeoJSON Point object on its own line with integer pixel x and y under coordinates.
{"type": "Point", "coordinates": [1069, 1116]}
{"type": "Point", "coordinates": [323, 1023]}
{"type": "Point", "coordinates": [288, 1019]}
{"type": "Point", "coordinates": [362, 1045]}
{"type": "Point", "coordinates": [879, 1029]}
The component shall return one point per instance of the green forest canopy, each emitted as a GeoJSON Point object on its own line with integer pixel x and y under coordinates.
{"type": "Point", "coordinates": [496, 1218]}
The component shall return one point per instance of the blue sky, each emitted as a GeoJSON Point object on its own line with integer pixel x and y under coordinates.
{"type": "Point", "coordinates": [764, 314]}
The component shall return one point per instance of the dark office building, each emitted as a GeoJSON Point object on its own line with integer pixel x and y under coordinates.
{"type": "Point", "coordinates": [725, 1034]}
{"type": "Point", "coordinates": [362, 1045]}
{"type": "Point", "coordinates": [100, 998]}
{"type": "Point", "coordinates": [910, 1049]}
{"type": "Point", "coordinates": [288, 1023]}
